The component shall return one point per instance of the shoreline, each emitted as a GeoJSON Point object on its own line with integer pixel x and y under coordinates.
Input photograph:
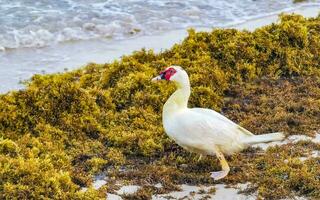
{"type": "Point", "coordinates": [72, 55]}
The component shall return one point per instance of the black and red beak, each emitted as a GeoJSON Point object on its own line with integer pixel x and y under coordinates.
{"type": "Point", "coordinates": [162, 76]}
{"type": "Point", "coordinates": [165, 75]}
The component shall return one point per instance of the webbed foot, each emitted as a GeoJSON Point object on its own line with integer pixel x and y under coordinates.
{"type": "Point", "coordinates": [219, 175]}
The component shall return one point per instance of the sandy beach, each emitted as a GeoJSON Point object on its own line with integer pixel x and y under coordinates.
{"type": "Point", "coordinates": [21, 64]}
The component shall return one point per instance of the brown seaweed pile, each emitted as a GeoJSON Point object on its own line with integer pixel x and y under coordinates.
{"type": "Point", "coordinates": [64, 128]}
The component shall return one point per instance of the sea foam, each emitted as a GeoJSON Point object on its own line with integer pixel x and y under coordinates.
{"type": "Point", "coordinates": [42, 23]}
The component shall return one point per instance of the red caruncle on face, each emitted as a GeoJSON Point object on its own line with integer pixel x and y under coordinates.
{"type": "Point", "coordinates": [168, 73]}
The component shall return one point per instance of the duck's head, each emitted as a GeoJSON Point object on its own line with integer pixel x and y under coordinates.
{"type": "Point", "coordinates": [175, 74]}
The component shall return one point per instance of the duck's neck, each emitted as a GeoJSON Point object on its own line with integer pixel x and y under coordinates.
{"type": "Point", "coordinates": [179, 99]}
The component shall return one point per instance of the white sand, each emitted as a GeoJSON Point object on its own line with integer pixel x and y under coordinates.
{"type": "Point", "coordinates": [98, 184]}
{"type": "Point", "coordinates": [191, 192]}
{"type": "Point", "coordinates": [186, 191]}
{"type": "Point", "coordinates": [124, 190]}
{"type": "Point", "coordinates": [128, 189]}
{"type": "Point", "coordinates": [314, 154]}
{"type": "Point", "coordinates": [113, 197]}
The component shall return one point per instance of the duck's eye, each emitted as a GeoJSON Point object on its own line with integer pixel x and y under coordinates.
{"type": "Point", "coordinates": [172, 71]}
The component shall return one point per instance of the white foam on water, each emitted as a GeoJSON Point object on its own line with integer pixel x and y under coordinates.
{"type": "Point", "coordinates": [41, 23]}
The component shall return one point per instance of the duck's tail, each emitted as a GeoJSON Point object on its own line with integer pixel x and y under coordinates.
{"type": "Point", "coordinates": [270, 137]}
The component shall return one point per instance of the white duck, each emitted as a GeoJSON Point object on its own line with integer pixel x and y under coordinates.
{"type": "Point", "coordinates": [201, 130]}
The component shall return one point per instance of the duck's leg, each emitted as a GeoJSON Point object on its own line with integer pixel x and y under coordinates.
{"type": "Point", "coordinates": [225, 167]}
{"type": "Point", "coordinates": [200, 157]}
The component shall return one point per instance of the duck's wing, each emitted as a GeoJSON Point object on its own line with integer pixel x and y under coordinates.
{"type": "Point", "coordinates": [201, 126]}
{"type": "Point", "coordinates": [215, 118]}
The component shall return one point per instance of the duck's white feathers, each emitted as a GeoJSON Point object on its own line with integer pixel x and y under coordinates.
{"type": "Point", "coordinates": [203, 130]}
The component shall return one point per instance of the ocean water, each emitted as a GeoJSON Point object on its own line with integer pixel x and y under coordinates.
{"type": "Point", "coordinates": [38, 23]}
{"type": "Point", "coordinates": [49, 36]}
